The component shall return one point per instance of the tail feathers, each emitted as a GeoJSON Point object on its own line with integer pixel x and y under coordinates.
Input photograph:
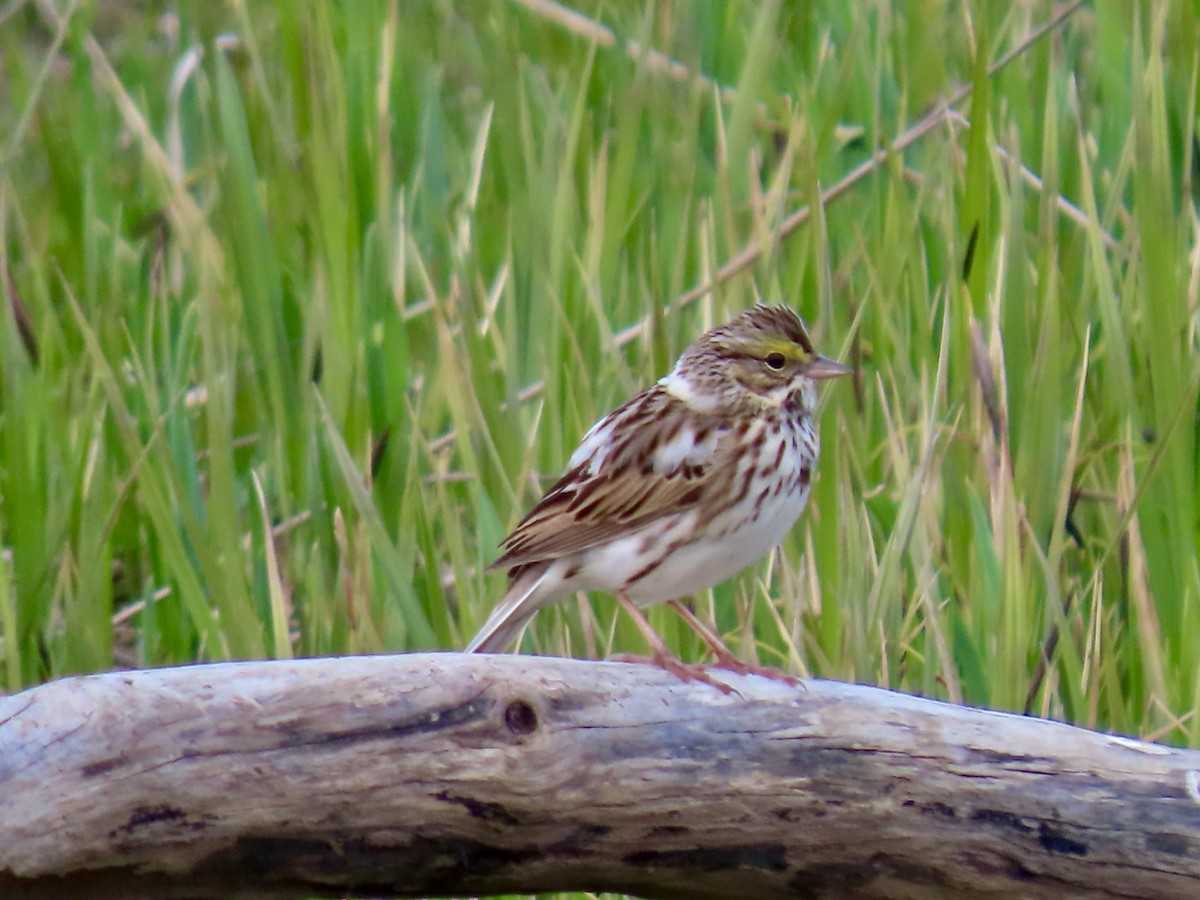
{"type": "Point", "coordinates": [532, 590]}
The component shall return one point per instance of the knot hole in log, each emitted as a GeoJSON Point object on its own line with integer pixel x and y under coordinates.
{"type": "Point", "coordinates": [520, 717]}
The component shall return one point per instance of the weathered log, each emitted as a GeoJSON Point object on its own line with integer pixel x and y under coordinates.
{"type": "Point", "coordinates": [445, 774]}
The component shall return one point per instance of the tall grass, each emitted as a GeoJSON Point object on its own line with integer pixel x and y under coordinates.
{"type": "Point", "coordinates": [321, 295]}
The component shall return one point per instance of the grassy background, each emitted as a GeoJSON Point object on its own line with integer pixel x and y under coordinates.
{"type": "Point", "coordinates": [307, 301]}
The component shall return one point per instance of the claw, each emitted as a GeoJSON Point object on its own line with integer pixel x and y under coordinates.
{"type": "Point", "coordinates": [731, 663]}
{"type": "Point", "coordinates": [724, 656]}
{"type": "Point", "coordinates": [664, 658]}
{"type": "Point", "coordinates": [681, 670]}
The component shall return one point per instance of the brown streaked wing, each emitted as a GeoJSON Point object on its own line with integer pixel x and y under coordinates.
{"type": "Point", "coordinates": [585, 510]}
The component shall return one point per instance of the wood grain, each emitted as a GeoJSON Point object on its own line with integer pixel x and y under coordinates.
{"type": "Point", "coordinates": [451, 775]}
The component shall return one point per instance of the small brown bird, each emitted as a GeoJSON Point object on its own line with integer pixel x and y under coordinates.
{"type": "Point", "coordinates": [683, 486]}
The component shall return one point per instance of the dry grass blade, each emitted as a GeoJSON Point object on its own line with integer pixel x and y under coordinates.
{"type": "Point", "coordinates": [656, 61]}
{"type": "Point", "coordinates": [905, 139]}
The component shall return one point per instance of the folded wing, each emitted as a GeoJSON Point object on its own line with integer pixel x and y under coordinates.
{"type": "Point", "coordinates": [649, 459]}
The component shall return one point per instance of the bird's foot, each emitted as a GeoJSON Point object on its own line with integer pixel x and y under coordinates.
{"type": "Point", "coordinates": [726, 660]}
{"type": "Point", "coordinates": [724, 656]}
{"type": "Point", "coordinates": [677, 667]}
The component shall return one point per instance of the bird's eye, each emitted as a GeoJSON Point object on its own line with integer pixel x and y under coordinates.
{"type": "Point", "coordinates": [775, 361]}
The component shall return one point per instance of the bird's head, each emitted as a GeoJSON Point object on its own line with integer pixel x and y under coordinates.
{"type": "Point", "coordinates": [763, 359]}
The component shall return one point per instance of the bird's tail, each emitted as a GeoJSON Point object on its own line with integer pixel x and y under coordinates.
{"type": "Point", "coordinates": [532, 590]}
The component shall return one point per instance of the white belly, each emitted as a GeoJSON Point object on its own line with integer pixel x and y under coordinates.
{"type": "Point", "coordinates": [726, 543]}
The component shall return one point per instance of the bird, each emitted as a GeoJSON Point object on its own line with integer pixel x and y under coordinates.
{"type": "Point", "coordinates": [680, 488]}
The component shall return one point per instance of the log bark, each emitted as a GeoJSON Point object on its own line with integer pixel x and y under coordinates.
{"type": "Point", "coordinates": [448, 775]}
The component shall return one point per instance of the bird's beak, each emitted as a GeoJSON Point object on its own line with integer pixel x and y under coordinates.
{"type": "Point", "coordinates": [823, 367]}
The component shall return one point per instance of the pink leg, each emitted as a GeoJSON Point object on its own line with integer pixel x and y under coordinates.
{"type": "Point", "coordinates": [663, 657]}
{"type": "Point", "coordinates": [725, 657]}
